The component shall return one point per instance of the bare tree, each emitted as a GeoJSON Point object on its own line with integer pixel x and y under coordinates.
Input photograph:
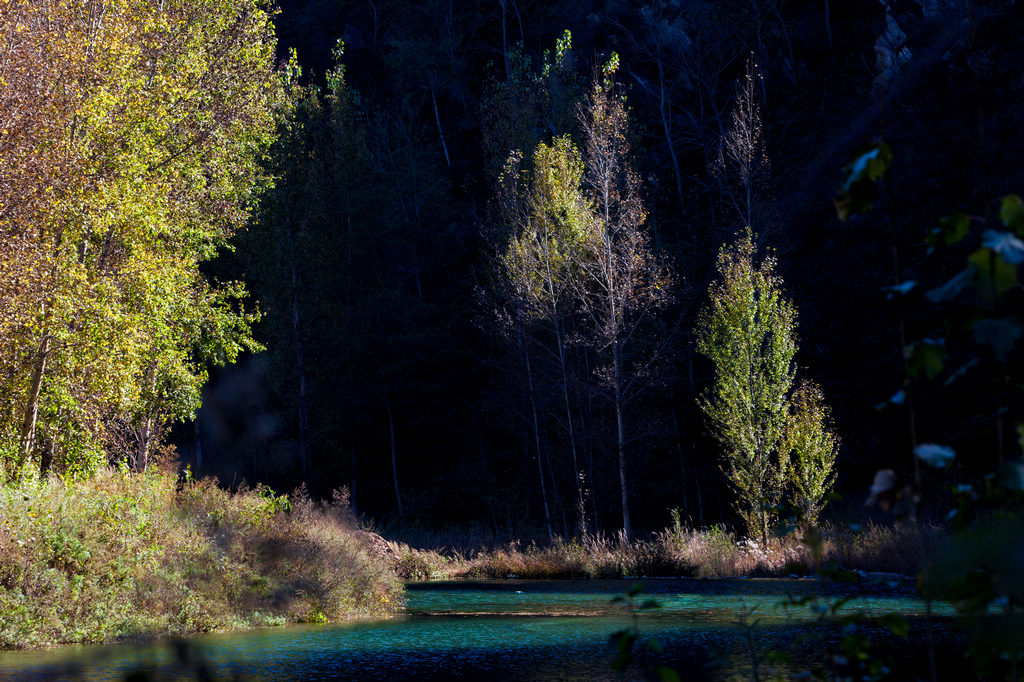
{"type": "Point", "coordinates": [742, 154]}
{"type": "Point", "coordinates": [624, 284]}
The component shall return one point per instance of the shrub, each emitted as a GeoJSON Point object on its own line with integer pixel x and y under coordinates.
{"type": "Point", "coordinates": [125, 556]}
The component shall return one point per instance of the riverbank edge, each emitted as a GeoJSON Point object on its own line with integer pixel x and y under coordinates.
{"type": "Point", "coordinates": [874, 552]}
{"type": "Point", "coordinates": [125, 557]}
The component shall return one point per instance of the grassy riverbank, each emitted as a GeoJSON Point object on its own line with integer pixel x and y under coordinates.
{"type": "Point", "coordinates": [676, 552]}
{"type": "Point", "coordinates": [124, 556]}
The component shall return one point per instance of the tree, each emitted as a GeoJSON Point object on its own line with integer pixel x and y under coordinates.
{"type": "Point", "coordinates": [530, 104]}
{"type": "Point", "coordinates": [813, 447]}
{"type": "Point", "coordinates": [134, 163]}
{"type": "Point", "coordinates": [748, 331]}
{"type": "Point", "coordinates": [743, 146]}
{"type": "Point", "coordinates": [624, 283]}
{"type": "Point", "coordinates": [551, 221]}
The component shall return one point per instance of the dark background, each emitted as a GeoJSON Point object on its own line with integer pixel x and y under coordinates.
{"type": "Point", "coordinates": [375, 254]}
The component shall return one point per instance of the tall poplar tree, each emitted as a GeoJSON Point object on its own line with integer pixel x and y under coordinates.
{"type": "Point", "coordinates": [748, 330]}
{"type": "Point", "coordinates": [624, 283]}
{"type": "Point", "coordinates": [551, 221]}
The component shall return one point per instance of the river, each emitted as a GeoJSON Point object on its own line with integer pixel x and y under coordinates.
{"type": "Point", "coordinates": [537, 630]}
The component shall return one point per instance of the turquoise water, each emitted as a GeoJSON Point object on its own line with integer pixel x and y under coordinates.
{"type": "Point", "coordinates": [553, 630]}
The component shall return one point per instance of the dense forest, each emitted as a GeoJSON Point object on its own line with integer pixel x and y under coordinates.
{"type": "Point", "coordinates": [389, 221]}
{"type": "Point", "coordinates": [398, 348]}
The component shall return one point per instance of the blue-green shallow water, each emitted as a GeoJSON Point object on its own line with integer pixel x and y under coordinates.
{"type": "Point", "coordinates": [508, 630]}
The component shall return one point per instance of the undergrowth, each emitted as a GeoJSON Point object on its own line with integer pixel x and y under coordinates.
{"type": "Point", "coordinates": [125, 556]}
{"type": "Point", "coordinates": [677, 551]}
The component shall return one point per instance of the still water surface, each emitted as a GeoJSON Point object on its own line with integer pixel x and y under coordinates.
{"type": "Point", "coordinates": [508, 630]}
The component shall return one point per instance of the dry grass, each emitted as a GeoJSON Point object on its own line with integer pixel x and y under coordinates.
{"type": "Point", "coordinates": [900, 548]}
{"type": "Point", "coordinates": [678, 552]}
{"type": "Point", "coordinates": [125, 556]}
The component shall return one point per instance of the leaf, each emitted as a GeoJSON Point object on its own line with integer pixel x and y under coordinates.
{"type": "Point", "coordinates": [972, 593]}
{"type": "Point", "coordinates": [897, 398]}
{"type": "Point", "coordinates": [885, 480]}
{"type": "Point", "coordinates": [1012, 213]}
{"type": "Point", "coordinates": [1000, 335]}
{"type": "Point", "coordinates": [902, 289]}
{"type": "Point", "coordinates": [636, 589]}
{"type": "Point", "coordinates": [993, 276]}
{"type": "Point", "coordinates": [815, 542]}
{"type": "Point", "coordinates": [951, 289]}
{"type": "Point", "coordinates": [896, 624]}
{"type": "Point", "coordinates": [1011, 475]}
{"type": "Point", "coordinates": [1008, 246]}
{"type": "Point", "coordinates": [666, 674]}
{"type": "Point", "coordinates": [934, 454]}
{"type": "Point", "coordinates": [926, 357]}
{"type": "Point", "coordinates": [622, 641]}
{"type": "Point", "coordinates": [858, 192]}
{"type": "Point", "coordinates": [961, 371]}
{"type": "Point", "coordinates": [654, 644]}
{"type": "Point", "coordinates": [952, 229]}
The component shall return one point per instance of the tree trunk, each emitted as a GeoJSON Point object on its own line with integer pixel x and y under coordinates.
{"type": "Point", "coordinates": [300, 361]}
{"type": "Point", "coordinates": [440, 130]}
{"type": "Point", "coordinates": [576, 471]}
{"type": "Point", "coordinates": [789, 45]}
{"type": "Point", "coordinates": [145, 433]}
{"type": "Point", "coordinates": [28, 428]}
{"type": "Point", "coordinates": [394, 454]}
{"type": "Point", "coordinates": [617, 360]}
{"type": "Point", "coordinates": [536, 433]}
{"type": "Point", "coordinates": [679, 450]}
{"type": "Point", "coordinates": [306, 462]}
{"type": "Point", "coordinates": [504, 38]}
{"type": "Point", "coordinates": [693, 452]}
{"type": "Point", "coordinates": [700, 498]}
{"type": "Point", "coordinates": [663, 108]}
{"type": "Point", "coordinates": [199, 449]}
{"type": "Point", "coordinates": [828, 25]}
{"type": "Point", "coordinates": [590, 445]}
{"type": "Point", "coordinates": [352, 488]}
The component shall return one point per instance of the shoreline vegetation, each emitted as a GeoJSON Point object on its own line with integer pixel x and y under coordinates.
{"type": "Point", "coordinates": [123, 557]}
{"type": "Point", "coordinates": [675, 552]}
{"type": "Point", "coordinates": [126, 557]}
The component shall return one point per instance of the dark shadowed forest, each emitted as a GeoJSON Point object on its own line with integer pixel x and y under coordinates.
{"type": "Point", "coordinates": [405, 361]}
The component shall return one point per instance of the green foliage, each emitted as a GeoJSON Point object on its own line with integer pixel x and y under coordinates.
{"type": "Point", "coordinates": [748, 330]}
{"type": "Point", "coordinates": [859, 191]}
{"type": "Point", "coordinates": [518, 112]}
{"type": "Point", "coordinates": [127, 556]}
{"type": "Point", "coordinates": [625, 642]}
{"type": "Point", "coordinates": [979, 572]}
{"type": "Point", "coordinates": [813, 447]}
{"type": "Point", "coordinates": [152, 163]}
{"type": "Point", "coordinates": [551, 220]}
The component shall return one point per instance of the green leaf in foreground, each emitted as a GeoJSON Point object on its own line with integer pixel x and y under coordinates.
{"type": "Point", "coordinates": [952, 229]}
{"type": "Point", "coordinates": [859, 191]}
{"type": "Point", "coordinates": [1012, 213]}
